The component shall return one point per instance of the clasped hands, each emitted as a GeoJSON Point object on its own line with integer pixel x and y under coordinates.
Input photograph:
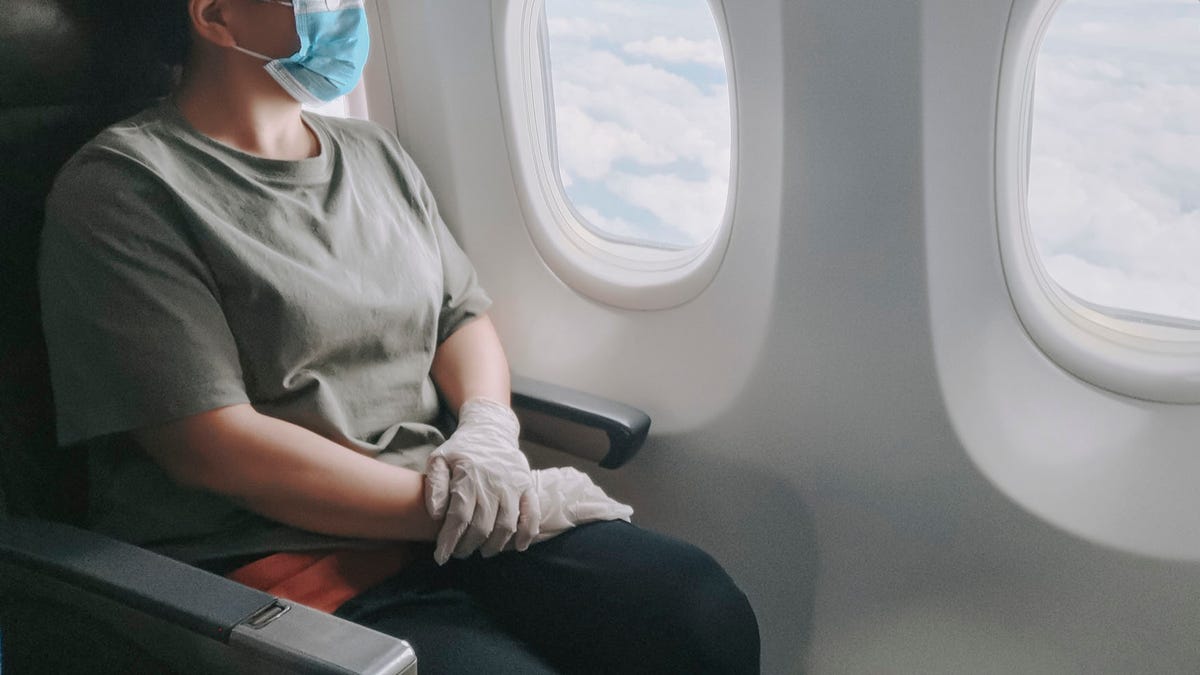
{"type": "Point", "coordinates": [481, 483]}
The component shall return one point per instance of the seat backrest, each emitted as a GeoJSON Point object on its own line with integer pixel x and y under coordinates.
{"type": "Point", "coordinates": [68, 68]}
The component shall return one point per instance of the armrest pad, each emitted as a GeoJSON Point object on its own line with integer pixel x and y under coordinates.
{"type": "Point", "coordinates": [156, 585]}
{"type": "Point", "coordinates": [581, 424]}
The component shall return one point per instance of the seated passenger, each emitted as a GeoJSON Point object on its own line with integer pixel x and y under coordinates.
{"type": "Point", "coordinates": [252, 312]}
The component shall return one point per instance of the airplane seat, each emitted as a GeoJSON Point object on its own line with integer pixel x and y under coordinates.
{"type": "Point", "coordinates": [72, 600]}
{"type": "Point", "coordinates": [67, 70]}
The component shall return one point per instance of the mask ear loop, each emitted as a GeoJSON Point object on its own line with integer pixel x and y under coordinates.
{"type": "Point", "coordinates": [256, 55]}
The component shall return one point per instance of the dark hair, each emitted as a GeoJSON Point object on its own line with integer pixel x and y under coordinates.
{"type": "Point", "coordinates": [173, 31]}
{"type": "Point", "coordinates": [148, 39]}
{"type": "Point", "coordinates": [161, 28]}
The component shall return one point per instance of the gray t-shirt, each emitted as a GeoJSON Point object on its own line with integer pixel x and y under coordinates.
{"type": "Point", "coordinates": [179, 275]}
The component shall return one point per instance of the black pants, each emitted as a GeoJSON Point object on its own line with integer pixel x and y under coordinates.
{"type": "Point", "coordinates": [602, 598]}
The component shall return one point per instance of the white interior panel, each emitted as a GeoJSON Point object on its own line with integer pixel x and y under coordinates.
{"type": "Point", "coordinates": [849, 416]}
{"type": "Point", "coordinates": [1116, 469]}
{"type": "Point", "coordinates": [451, 121]}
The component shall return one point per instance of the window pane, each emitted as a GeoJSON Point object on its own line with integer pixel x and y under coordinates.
{"type": "Point", "coordinates": [1114, 180]}
{"type": "Point", "coordinates": [642, 110]}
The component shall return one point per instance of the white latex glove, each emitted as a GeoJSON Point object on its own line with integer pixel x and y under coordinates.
{"type": "Point", "coordinates": [568, 498]}
{"type": "Point", "coordinates": [480, 481]}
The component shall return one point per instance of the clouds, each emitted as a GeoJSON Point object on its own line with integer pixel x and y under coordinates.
{"type": "Point", "coordinates": [643, 128]}
{"type": "Point", "coordinates": [643, 116]}
{"type": "Point", "coordinates": [575, 28]}
{"type": "Point", "coordinates": [679, 50]}
{"type": "Point", "coordinates": [1115, 169]}
{"type": "Point", "coordinates": [589, 148]}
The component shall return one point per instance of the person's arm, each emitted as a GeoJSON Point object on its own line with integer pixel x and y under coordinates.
{"type": "Point", "coordinates": [479, 480]}
{"type": "Point", "coordinates": [290, 474]}
{"type": "Point", "coordinates": [471, 363]}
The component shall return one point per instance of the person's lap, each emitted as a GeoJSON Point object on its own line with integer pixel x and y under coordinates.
{"type": "Point", "coordinates": [450, 632]}
{"type": "Point", "coordinates": [600, 598]}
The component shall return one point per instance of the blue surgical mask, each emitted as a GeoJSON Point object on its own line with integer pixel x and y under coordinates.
{"type": "Point", "coordinates": [334, 42]}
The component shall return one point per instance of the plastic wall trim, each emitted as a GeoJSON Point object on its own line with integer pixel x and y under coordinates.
{"type": "Point", "coordinates": [1110, 468]}
{"type": "Point", "coordinates": [1140, 360]}
{"type": "Point", "coordinates": [621, 275]}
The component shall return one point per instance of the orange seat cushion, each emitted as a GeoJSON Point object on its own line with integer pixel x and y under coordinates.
{"type": "Point", "coordinates": [323, 580]}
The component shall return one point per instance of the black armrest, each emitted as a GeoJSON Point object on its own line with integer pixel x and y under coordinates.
{"type": "Point", "coordinates": [90, 573]}
{"type": "Point", "coordinates": [201, 602]}
{"type": "Point", "coordinates": [581, 424]}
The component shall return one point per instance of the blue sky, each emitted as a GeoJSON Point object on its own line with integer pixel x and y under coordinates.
{"type": "Point", "coordinates": [642, 105]}
{"type": "Point", "coordinates": [1115, 168]}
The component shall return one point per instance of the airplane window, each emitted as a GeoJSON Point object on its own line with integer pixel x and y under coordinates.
{"type": "Point", "coordinates": [640, 108]}
{"type": "Point", "coordinates": [1114, 172]}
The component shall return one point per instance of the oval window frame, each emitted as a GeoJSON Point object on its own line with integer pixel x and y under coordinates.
{"type": "Point", "coordinates": [623, 274]}
{"type": "Point", "coordinates": [1153, 361]}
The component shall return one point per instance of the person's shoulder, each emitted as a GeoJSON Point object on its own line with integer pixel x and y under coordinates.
{"type": "Point", "coordinates": [115, 170]}
{"type": "Point", "coordinates": [126, 149]}
{"type": "Point", "coordinates": [350, 127]}
{"type": "Point", "coordinates": [363, 141]}
{"type": "Point", "coordinates": [136, 135]}
{"type": "Point", "coordinates": [350, 130]}
{"type": "Point", "coordinates": [364, 136]}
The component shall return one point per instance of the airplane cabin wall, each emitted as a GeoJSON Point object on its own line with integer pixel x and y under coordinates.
{"type": "Point", "coordinates": [802, 429]}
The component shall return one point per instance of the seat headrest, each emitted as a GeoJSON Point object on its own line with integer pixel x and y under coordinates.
{"type": "Point", "coordinates": [56, 52]}
{"type": "Point", "coordinates": [68, 68]}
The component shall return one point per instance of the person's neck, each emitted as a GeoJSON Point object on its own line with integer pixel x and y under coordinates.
{"type": "Point", "coordinates": [246, 110]}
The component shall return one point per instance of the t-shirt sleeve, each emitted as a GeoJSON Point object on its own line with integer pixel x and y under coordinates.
{"type": "Point", "coordinates": [462, 296]}
{"type": "Point", "coordinates": [134, 330]}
